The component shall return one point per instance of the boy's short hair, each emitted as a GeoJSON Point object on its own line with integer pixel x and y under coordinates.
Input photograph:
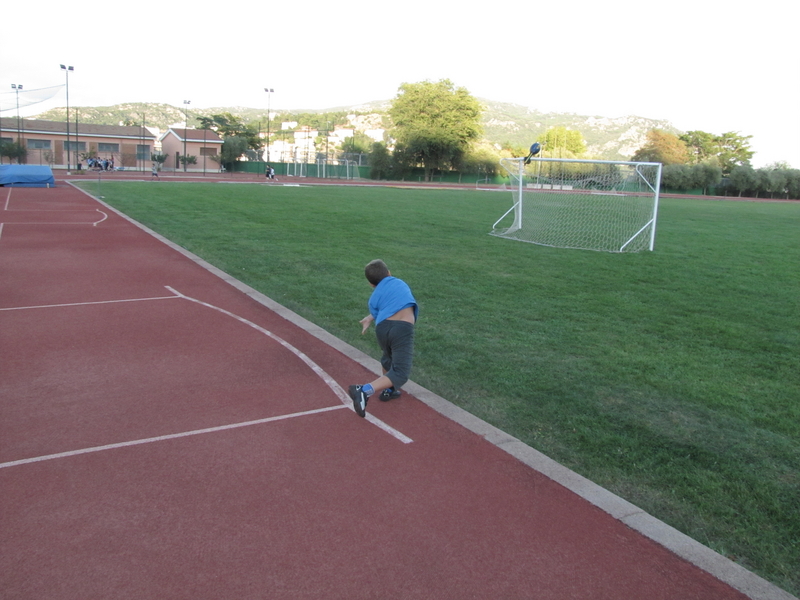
{"type": "Point", "coordinates": [376, 270]}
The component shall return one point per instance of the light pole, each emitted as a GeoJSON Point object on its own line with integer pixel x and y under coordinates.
{"type": "Point", "coordinates": [67, 69]}
{"type": "Point", "coordinates": [185, 133]}
{"type": "Point", "coordinates": [142, 145]}
{"type": "Point", "coordinates": [17, 87]}
{"type": "Point", "coordinates": [327, 139]}
{"type": "Point", "coordinates": [77, 156]}
{"type": "Point", "coordinates": [269, 91]}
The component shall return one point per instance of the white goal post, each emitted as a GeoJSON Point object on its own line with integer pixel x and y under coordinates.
{"type": "Point", "coordinates": [601, 205]}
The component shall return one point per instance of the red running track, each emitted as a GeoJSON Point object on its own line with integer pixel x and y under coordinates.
{"type": "Point", "coordinates": [166, 435]}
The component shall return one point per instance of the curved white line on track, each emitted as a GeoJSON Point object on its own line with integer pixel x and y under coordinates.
{"type": "Point", "coordinates": [105, 216]}
{"type": "Point", "coordinates": [63, 223]}
{"type": "Point", "coordinates": [329, 381]}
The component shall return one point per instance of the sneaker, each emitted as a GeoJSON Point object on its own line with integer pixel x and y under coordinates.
{"type": "Point", "coordinates": [390, 394]}
{"type": "Point", "coordinates": [359, 399]}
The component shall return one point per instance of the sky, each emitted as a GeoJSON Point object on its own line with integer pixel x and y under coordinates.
{"type": "Point", "coordinates": [700, 64]}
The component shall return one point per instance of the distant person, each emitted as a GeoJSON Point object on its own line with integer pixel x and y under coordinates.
{"type": "Point", "coordinates": [154, 172]}
{"type": "Point", "coordinates": [394, 310]}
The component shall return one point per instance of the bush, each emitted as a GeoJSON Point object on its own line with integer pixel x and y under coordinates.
{"type": "Point", "coordinates": [13, 151]}
{"type": "Point", "coordinates": [689, 177]}
{"type": "Point", "coordinates": [768, 182]}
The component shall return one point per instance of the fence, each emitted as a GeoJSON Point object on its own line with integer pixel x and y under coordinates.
{"type": "Point", "coordinates": [338, 169]}
{"type": "Point", "coordinates": [78, 160]}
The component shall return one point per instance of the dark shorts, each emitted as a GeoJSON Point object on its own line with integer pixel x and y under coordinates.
{"type": "Point", "coordinates": [396, 339]}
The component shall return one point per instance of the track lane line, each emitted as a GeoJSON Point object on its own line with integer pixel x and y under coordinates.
{"type": "Point", "coordinates": [90, 303]}
{"type": "Point", "coordinates": [162, 438]}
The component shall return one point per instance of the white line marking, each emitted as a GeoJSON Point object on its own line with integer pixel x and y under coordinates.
{"type": "Point", "coordinates": [162, 438]}
{"type": "Point", "coordinates": [57, 223]}
{"type": "Point", "coordinates": [90, 303]}
{"type": "Point", "coordinates": [52, 210]}
{"type": "Point", "coordinates": [92, 223]}
{"type": "Point", "coordinates": [380, 424]}
{"type": "Point", "coordinates": [329, 381]}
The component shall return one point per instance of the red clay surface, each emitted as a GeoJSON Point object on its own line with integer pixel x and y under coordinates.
{"type": "Point", "coordinates": [97, 353]}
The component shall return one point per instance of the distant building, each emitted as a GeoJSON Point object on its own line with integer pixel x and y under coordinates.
{"type": "Point", "coordinates": [48, 143]}
{"type": "Point", "coordinates": [204, 144]}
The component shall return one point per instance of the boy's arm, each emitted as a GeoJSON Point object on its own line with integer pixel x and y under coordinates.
{"type": "Point", "coordinates": [365, 323]}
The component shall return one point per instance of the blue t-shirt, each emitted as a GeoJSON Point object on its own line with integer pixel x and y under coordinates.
{"type": "Point", "coordinates": [390, 296]}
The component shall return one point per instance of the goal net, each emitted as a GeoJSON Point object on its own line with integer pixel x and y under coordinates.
{"type": "Point", "coordinates": [589, 204]}
{"type": "Point", "coordinates": [22, 98]}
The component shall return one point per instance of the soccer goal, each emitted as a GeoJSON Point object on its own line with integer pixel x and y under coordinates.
{"type": "Point", "coordinates": [589, 204]}
{"type": "Point", "coordinates": [337, 169]}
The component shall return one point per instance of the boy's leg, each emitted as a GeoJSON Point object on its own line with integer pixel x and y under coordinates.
{"type": "Point", "coordinates": [396, 339]}
{"type": "Point", "coordinates": [380, 384]}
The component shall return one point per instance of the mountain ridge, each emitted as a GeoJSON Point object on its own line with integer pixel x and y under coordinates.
{"type": "Point", "coordinates": [608, 138]}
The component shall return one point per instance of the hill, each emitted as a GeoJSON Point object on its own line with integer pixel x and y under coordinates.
{"type": "Point", "coordinates": [606, 138]}
{"type": "Point", "coordinates": [504, 123]}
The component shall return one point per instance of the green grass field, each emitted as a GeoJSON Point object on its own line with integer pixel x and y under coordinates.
{"type": "Point", "coordinates": [671, 378]}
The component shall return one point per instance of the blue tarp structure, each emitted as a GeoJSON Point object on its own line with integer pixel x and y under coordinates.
{"type": "Point", "coordinates": [26, 176]}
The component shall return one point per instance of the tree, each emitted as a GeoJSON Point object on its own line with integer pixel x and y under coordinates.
{"type": "Point", "coordinates": [560, 142]}
{"type": "Point", "coordinates": [664, 147]}
{"type": "Point", "coordinates": [706, 175]}
{"type": "Point", "coordinates": [358, 143]}
{"type": "Point", "coordinates": [13, 150]}
{"type": "Point", "coordinates": [233, 147]}
{"type": "Point", "coordinates": [701, 145]}
{"type": "Point", "coordinates": [763, 182]}
{"type": "Point", "coordinates": [689, 177]}
{"type": "Point", "coordinates": [676, 177]}
{"type": "Point", "coordinates": [728, 150]}
{"type": "Point", "coordinates": [380, 161]}
{"type": "Point", "coordinates": [779, 164]}
{"type": "Point", "coordinates": [733, 150]}
{"type": "Point", "coordinates": [434, 123]}
{"type": "Point", "coordinates": [778, 179]}
{"type": "Point", "coordinates": [228, 125]}
{"type": "Point", "coordinates": [743, 179]}
{"type": "Point", "coordinates": [793, 183]}
{"type": "Point", "coordinates": [482, 160]}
